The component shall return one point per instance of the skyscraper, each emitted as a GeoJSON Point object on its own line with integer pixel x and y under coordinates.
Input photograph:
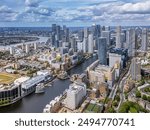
{"type": "Point", "coordinates": [144, 43]}
{"type": "Point", "coordinates": [102, 50]}
{"type": "Point", "coordinates": [54, 28]}
{"type": "Point", "coordinates": [107, 35]}
{"type": "Point", "coordinates": [27, 48]}
{"type": "Point", "coordinates": [73, 43]}
{"type": "Point", "coordinates": [130, 42]}
{"type": "Point", "coordinates": [90, 44]}
{"type": "Point", "coordinates": [85, 45]}
{"type": "Point", "coordinates": [86, 32]}
{"type": "Point", "coordinates": [118, 37]}
{"type": "Point", "coordinates": [135, 70]}
{"type": "Point", "coordinates": [96, 30]}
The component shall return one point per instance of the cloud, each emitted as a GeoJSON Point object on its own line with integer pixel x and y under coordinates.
{"type": "Point", "coordinates": [32, 3]}
{"type": "Point", "coordinates": [39, 10]}
{"type": "Point", "coordinates": [7, 14]}
{"type": "Point", "coordinates": [91, 11]}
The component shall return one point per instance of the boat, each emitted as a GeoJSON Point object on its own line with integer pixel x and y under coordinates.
{"type": "Point", "coordinates": [74, 77]}
{"type": "Point", "coordinates": [40, 88]}
{"type": "Point", "coordinates": [63, 75]}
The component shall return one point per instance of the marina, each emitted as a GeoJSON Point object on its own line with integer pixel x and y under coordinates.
{"type": "Point", "coordinates": [31, 103]}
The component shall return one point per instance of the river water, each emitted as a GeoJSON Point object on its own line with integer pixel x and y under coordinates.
{"type": "Point", "coordinates": [34, 103]}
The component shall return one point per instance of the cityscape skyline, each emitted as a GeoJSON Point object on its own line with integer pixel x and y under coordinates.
{"type": "Point", "coordinates": [73, 13]}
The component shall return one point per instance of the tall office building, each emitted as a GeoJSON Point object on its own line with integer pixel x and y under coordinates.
{"type": "Point", "coordinates": [107, 28]}
{"type": "Point", "coordinates": [75, 95]}
{"type": "Point", "coordinates": [54, 28]}
{"type": "Point", "coordinates": [144, 43]}
{"type": "Point", "coordinates": [86, 32]}
{"type": "Point", "coordinates": [102, 50]}
{"type": "Point", "coordinates": [118, 37]}
{"type": "Point", "coordinates": [130, 42]}
{"type": "Point", "coordinates": [35, 46]}
{"type": "Point", "coordinates": [81, 35]}
{"type": "Point", "coordinates": [90, 44]}
{"type": "Point", "coordinates": [106, 34]}
{"type": "Point", "coordinates": [135, 69]}
{"type": "Point", "coordinates": [96, 30]}
{"type": "Point", "coordinates": [12, 50]}
{"type": "Point", "coordinates": [27, 48]}
{"type": "Point", "coordinates": [58, 32]}
{"type": "Point", "coordinates": [85, 45]}
{"type": "Point", "coordinates": [66, 34]}
{"type": "Point", "coordinates": [73, 43]}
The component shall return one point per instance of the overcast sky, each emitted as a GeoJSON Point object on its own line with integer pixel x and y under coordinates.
{"type": "Point", "coordinates": [74, 12]}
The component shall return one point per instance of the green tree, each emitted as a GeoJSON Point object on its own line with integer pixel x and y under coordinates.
{"type": "Point", "coordinates": [117, 98]}
{"type": "Point", "coordinates": [148, 98]}
{"type": "Point", "coordinates": [138, 94]}
{"type": "Point", "coordinates": [144, 97]}
{"type": "Point", "coordinates": [111, 110]}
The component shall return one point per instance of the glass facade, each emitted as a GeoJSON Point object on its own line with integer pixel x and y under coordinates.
{"type": "Point", "coordinates": [10, 96]}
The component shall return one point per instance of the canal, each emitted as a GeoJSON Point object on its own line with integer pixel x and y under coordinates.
{"type": "Point", "coordinates": [34, 103]}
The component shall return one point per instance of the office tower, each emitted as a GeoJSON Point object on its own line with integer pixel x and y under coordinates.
{"type": "Point", "coordinates": [106, 34]}
{"type": "Point", "coordinates": [58, 33]}
{"type": "Point", "coordinates": [113, 58]}
{"type": "Point", "coordinates": [75, 95]}
{"type": "Point", "coordinates": [118, 37]}
{"type": "Point", "coordinates": [27, 48]}
{"type": "Point", "coordinates": [102, 50]}
{"type": "Point", "coordinates": [144, 43]}
{"type": "Point", "coordinates": [35, 46]}
{"type": "Point", "coordinates": [54, 28]}
{"type": "Point", "coordinates": [107, 28]}
{"type": "Point", "coordinates": [90, 44]}
{"type": "Point", "coordinates": [12, 50]}
{"type": "Point", "coordinates": [135, 69]}
{"type": "Point", "coordinates": [53, 39]}
{"type": "Point", "coordinates": [80, 46]}
{"type": "Point", "coordinates": [86, 32]}
{"type": "Point", "coordinates": [96, 30]}
{"type": "Point", "coordinates": [85, 45]}
{"type": "Point", "coordinates": [103, 28]}
{"type": "Point", "coordinates": [81, 35]}
{"type": "Point", "coordinates": [130, 42]}
{"type": "Point", "coordinates": [73, 43]}
{"type": "Point", "coordinates": [66, 34]}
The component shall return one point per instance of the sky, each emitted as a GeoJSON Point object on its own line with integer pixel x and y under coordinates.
{"type": "Point", "coordinates": [42, 13]}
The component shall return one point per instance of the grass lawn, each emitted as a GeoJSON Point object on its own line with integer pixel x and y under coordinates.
{"type": "Point", "coordinates": [90, 107]}
{"type": "Point", "coordinates": [6, 78]}
{"type": "Point", "coordinates": [96, 108]}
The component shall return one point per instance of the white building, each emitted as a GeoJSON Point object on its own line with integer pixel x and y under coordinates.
{"type": "Point", "coordinates": [90, 44]}
{"type": "Point", "coordinates": [43, 72]}
{"type": "Point", "coordinates": [12, 50]}
{"type": "Point", "coordinates": [27, 48]}
{"type": "Point", "coordinates": [75, 95]}
{"type": "Point", "coordinates": [85, 45]}
{"type": "Point", "coordinates": [21, 80]}
{"type": "Point", "coordinates": [115, 60]}
{"type": "Point", "coordinates": [35, 46]}
{"type": "Point", "coordinates": [80, 46]}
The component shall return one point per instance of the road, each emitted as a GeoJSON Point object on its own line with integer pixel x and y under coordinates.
{"type": "Point", "coordinates": [115, 87]}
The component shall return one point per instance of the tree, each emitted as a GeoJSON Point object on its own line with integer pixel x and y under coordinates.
{"type": "Point", "coordinates": [144, 97]}
{"type": "Point", "coordinates": [115, 104]}
{"type": "Point", "coordinates": [117, 98]}
{"type": "Point", "coordinates": [133, 110]}
{"type": "Point", "coordinates": [148, 98]}
{"type": "Point", "coordinates": [138, 94]}
{"type": "Point", "coordinates": [111, 110]}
